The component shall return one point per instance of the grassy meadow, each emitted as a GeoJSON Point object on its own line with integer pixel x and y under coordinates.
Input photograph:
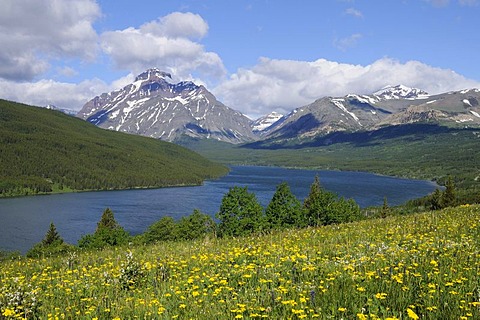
{"type": "Point", "coordinates": [423, 266]}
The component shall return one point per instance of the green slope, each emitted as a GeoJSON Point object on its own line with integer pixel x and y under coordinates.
{"type": "Point", "coordinates": [424, 265]}
{"type": "Point", "coordinates": [421, 151]}
{"type": "Point", "coordinates": [44, 150]}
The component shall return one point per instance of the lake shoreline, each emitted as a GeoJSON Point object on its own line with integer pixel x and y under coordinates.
{"type": "Point", "coordinates": [26, 219]}
{"type": "Point", "coordinates": [433, 181]}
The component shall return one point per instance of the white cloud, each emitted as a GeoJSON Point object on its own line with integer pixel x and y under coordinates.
{"type": "Point", "coordinates": [354, 12]}
{"type": "Point", "coordinates": [60, 94]}
{"type": "Point", "coordinates": [167, 44]}
{"type": "Point", "coordinates": [177, 25]}
{"type": "Point", "coordinates": [34, 31]}
{"type": "Point", "coordinates": [346, 43]}
{"type": "Point", "coordinates": [283, 85]}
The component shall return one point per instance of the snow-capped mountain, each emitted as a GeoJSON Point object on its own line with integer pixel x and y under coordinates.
{"type": "Point", "coordinates": [400, 92]}
{"type": "Point", "coordinates": [391, 105]}
{"type": "Point", "coordinates": [153, 105]}
{"type": "Point", "coordinates": [263, 123]}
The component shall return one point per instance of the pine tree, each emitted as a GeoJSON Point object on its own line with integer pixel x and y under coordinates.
{"type": "Point", "coordinates": [284, 210]}
{"type": "Point", "coordinates": [240, 213]}
{"type": "Point", "coordinates": [108, 233]}
{"type": "Point", "coordinates": [162, 230]}
{"type": "Point", "coordinates": [195, 226]}
{"type": "Point", "coordinates": [317, 205]}
{"type": "Point", "coordinates": [436, 200]}
{"type": "Point", "coordinates": [107, 221]}
{"type": "Point", "coordinates": [449, 197]}
{"type": "Point", "coordinates": [52, 237]}
{"type": "Point", "coordinates": [322, 207]}
{"type": "Point", "coordinates": [385, 208]}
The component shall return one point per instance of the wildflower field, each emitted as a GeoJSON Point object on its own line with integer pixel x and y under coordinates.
{"type": "Point", "coordinates": [423, 266]}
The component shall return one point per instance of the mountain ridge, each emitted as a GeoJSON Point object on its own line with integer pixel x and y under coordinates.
{"type": "Point", "coordinates": [154, 107]}
{"type": "Point", "coordinates": [392, 105]}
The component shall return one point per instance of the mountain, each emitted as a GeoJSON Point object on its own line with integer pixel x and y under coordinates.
{"type": "Point", "coordinates": [400, 92]}
{"type": "Point", "coordinates": [262, 124]}
{"type": "Point", "coordinates": [392, 105]}
{"type": "Point", "coordinates": [156, 107]}
{"type": "Point", "coordinates": [458, 108]}
{"type": "Point", "coordinates": [70, 112]}
{"type": "Point", "coordinates": [45, 150]}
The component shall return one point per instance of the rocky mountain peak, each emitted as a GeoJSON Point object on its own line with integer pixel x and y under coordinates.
{"type": "Point", "coordinates": [400, 92]}
{"type": "Point", "coordinates": [155, 106]}
{"type": "Point", "coordinates": [263, 123]}
{"type": "Point", "coordinates": [153, 74]}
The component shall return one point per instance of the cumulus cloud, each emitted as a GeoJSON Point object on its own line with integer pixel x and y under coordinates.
{"type": "Point", "coordinates": [166, 43]}
{"type": "Point", "coordinates": [34, 31]}
{"type": "Point", "coordinates": [178, 25]}
{"type": "Point", "coordinates": [44, 92]}
{"type": "Point", "coordinates": [283, 85]}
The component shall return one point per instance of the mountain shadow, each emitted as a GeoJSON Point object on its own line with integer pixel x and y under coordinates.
{"type": "Point", "coordinates": [406, 132]}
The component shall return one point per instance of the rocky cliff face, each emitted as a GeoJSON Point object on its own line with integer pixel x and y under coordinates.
{"type": "Point", "coordinates": [156, 107]}
{"type": "Point", "coordinates": [392, 105]}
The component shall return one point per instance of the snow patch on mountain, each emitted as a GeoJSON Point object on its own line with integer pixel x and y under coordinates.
{"type": "Point", "coordinates": [153, 105]}
{"type": "Point", "coordinates": [400, 92]}
{"type": "Point", "coordinates": [475, 113]}
{"type": "Point", "coordinates": [338, 103]}
{"type": "Point", "coordinates": [265, 122]}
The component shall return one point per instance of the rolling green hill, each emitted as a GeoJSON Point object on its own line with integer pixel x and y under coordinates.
{"type": "Point", "coordinates": [44, 151]}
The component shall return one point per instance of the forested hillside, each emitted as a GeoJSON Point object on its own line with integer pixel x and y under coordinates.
{"type": "Point", "coordinates": [421, 151]}
{"type": "Point", "coordinates": [44, 151]}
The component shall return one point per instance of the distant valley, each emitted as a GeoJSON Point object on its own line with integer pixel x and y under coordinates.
{"type": "Point", "coordinates": [396, 130]}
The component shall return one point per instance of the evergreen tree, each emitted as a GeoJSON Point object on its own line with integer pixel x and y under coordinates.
{"type": "Point", "coordinates": [317, 205]}
{"type": "Point", "coordinates": [385, 208]}
{"type": "Point", "coordinates": [51, 245]}
{"type": "Point", "coordinates": [164, 229]}
{"type": "Point", "coordinates": [449, 198]}
{"type": "Point", "coordinates": [52, 237]}
{"type": "Point", "coordinates": [107, 221]}
{"type": "Point", "coordinates": [108, 233]}
{"type": "Point", "coordinates": [322, 207]}
{"type": "Point", "coordinates": [195, 226]}
{"type": "Point", "coordinates": [436, 200]}
{"type": "Point", "coordinates": [284, 210]}
{"type": "Point", "coordinates": [343, 210]}
{"type": "Point", "coordinates": [240, 213]}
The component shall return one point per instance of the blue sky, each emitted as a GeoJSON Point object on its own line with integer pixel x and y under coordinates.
{"type": "Point", "coordinates": [256, 56]}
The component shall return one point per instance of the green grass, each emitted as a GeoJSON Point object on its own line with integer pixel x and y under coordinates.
{"type": "Point", "coordinates": [424, 265]}
{"type": "Point", "coordinates": [47, 151]}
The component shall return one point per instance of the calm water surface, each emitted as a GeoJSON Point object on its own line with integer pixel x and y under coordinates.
{"type": "Point", "coordinates": [25, 220]}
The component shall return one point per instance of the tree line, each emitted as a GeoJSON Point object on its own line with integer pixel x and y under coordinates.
{"type": "Point", "coordinates": [239, 214]}
{"type": "Point", "coordinates": [45, 151]}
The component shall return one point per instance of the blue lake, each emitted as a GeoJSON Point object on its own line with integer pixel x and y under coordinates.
{"type": "Point", "coordinates": [25, 220]}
